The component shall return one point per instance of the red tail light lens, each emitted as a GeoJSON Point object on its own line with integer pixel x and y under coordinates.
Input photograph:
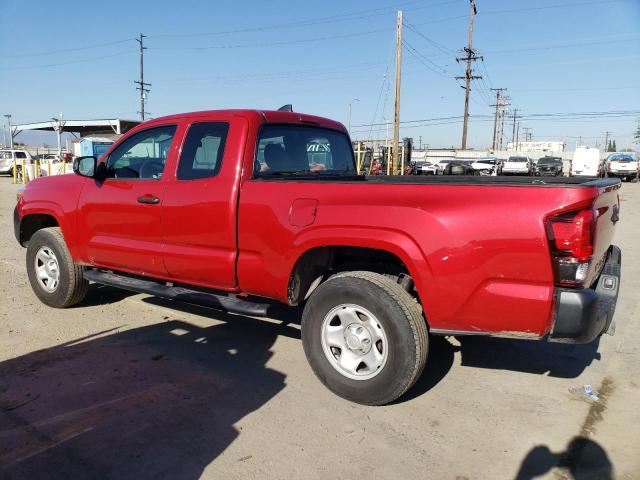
{"type": "Point", "coordinates": [573, 234]}
{"type": "Point", "coordinates": [572, 238]}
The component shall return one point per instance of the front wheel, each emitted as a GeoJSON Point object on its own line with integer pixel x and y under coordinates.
{"type": "Point", "coordinates": [54, 278]}
{"type": "Point", "coordinates": [364, 337]}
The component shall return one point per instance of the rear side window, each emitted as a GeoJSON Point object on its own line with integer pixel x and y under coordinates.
{"type": "Point", "coordinates": [21, 155]}
{"type": "Point", "coordinates": [291, 150]}
{"type": "Point", "coordinates": [203, 150]}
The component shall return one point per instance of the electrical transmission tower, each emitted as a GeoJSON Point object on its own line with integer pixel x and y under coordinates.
{"type": "Point", "coordinates": [470, 56]}
{"type": "Point", "coordinates": [141, 83]}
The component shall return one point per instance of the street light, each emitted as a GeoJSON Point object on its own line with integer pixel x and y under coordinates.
{"type": "Point", "coordinates": [10, 132]}
{"type": "Point", "coordinates": [58, 128]}
{"type": "Point", "coordinates": [352, 101]}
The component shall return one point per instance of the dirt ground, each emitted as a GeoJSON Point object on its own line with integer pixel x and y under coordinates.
{"type": "Point", "coordinates": [128, 386]}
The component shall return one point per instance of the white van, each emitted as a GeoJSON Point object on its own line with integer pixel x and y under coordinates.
{"type": "Point", "coordinates": [586, 163]}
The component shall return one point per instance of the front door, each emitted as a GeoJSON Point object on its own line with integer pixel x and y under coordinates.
{"type": "Point", "coordinates": [120, 218]}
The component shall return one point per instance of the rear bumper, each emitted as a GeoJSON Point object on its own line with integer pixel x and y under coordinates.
{"type": "Point", "coordinates": [582, 315]}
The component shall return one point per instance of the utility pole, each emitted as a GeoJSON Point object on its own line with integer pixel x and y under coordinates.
{"type": "Point", "coordinates": [141, 83]}
{"type": "Point", "coordinates": [352, 101]}
{"type": "Point", "coordinates": [527, 134]}
{"type": "Point", "coordinates": [503, 114]}
{"type": "Point", "coordinates": [606, 140]}
{"type": "Point", "coordinates": [518, 137]}
{"type": "Point", "coordinates": [420, 147]}
{"type": "Point", "coordinates": [396, 103]}
{"type": "Point", "coordinates": [471, 56]}
{"type": "Point", "coordinates": [498, 105]}
{"type": "Point", "coordinates": [513, 135]}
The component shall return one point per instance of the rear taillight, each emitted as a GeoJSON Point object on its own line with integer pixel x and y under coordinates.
{"type": "Point", "coordinates": [572, 237]}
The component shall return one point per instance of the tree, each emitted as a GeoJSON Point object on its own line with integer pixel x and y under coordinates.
{"type": "Point", "coordinates": [637, 134]}
{"type": "Point", "coordinates": [615, 149]}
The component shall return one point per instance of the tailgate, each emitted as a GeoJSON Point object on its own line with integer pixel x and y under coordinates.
{"type": "Point", "coordinates": [606, 213]}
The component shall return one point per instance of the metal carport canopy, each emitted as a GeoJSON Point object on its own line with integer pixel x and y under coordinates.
{"type": "Point", "coordinates": [82, 127]}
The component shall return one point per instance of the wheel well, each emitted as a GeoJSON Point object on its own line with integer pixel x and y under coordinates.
{"type": "Point", "coordinates": [317, 264]}
{"type": "Point", "coordinates": [30, 224]}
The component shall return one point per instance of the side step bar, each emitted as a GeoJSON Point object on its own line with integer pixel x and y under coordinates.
{"type": "Point", "coordinates": [158, 289]}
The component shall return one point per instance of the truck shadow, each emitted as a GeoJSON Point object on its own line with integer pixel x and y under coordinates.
{"type": "Point", "coordinates": [160, 401]}
{"type": "Point", "coordinates": [527, 356]}
{"type": "Point", "coordinates": [583, 459]}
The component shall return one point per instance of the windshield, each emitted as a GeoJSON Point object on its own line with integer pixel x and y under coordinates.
{"type": "Point", "coordinates": [549, 161]}
{"type": "Point", "coordinates": [621, 158]}
{"type": "Point", "coordinates": [289, 150]}
{"type": "Point", "coordinates": [517, 159]}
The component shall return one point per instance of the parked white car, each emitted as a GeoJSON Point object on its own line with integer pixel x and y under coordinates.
{"type": "Point", "coordinates": [428, 168]}
{"type": "Point", "coordinates": [517, 165]}
{"type": "Point", "coordinates": [486, 166]}
{"type": "Point", "coordinates": [7, 156]}
{"type": "Point", "coordinates": [622, 165]}
{"type": "Point", "coordinates": [586, 163]}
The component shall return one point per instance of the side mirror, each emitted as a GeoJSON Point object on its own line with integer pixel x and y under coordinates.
{"type": "Point", "coordinates": [85, 166]}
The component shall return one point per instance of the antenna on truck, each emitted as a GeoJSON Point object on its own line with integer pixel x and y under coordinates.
{"type": "Point", "coordinates": [286, 108]}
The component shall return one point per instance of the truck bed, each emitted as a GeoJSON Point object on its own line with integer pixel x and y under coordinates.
{"type": "Point", "coordinates": [511, 181]}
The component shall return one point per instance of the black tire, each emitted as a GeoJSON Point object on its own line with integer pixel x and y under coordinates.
{"type": "Point", "coordinates": [400, 317]}
{"type": "Point", "coordinates": [72, 287]}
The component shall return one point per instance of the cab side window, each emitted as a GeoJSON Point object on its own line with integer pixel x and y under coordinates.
{"type": "Point", "coordinates": [203, 150]}
{"type": "Point", "coordinates": [143, 155]}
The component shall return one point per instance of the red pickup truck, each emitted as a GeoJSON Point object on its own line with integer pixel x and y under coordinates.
{"type": "Point", "coordinates": [223, 208]}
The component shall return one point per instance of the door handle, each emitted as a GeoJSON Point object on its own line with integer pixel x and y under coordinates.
{"type": "Point", "coordinates": [149, 199]}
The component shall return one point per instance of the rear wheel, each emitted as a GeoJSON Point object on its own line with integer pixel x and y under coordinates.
{"type": "Point", "coordinates": [54, 278]}
{"type": "Point", "coordinates": [364, 337]}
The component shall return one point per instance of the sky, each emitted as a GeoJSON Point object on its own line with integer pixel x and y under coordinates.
{"type": "Point", "coordinates": [554, 57]}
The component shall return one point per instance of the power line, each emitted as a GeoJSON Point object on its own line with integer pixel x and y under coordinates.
{"type": "Point", "coordinates": [277, 43]}
{"type": "Point", "coordinates": [571, 45]}
{"type": "Point", "coordinates": [368, 13]}
{"type": "Point", "coordinates": [58, 64]}
{"type": "Point", "coordinates": [446, 50]}
{"type": "Point", "coordinates": [549, 7]}
{"type": "Point", "coordinates": [435, 68]}
{"type": "Point", "coordinates": [551, 115]}
{"type": "Point", "coordinates": [67, 50]}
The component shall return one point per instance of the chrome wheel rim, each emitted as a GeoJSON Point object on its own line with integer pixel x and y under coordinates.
{"type": "Point", "coordinates": [354, 342]}
{"type": "Point", "coordinates": [47, 269]}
